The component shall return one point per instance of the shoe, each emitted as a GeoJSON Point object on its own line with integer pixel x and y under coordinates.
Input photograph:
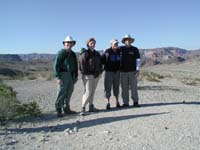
{"type": "Point", "coordinates": [59, 115]}
{"type": "Point", "coordinates": [68, 111]}
{"type": "Point", "coordinates": [125, 105]}
{"type": "Point", "coordinates": [59, 112]}
{"type": "Point", "coordinates": [92, 108]}
{"type": "Point", "coordinates": [136, 104]}
{"type": "Point", "coordinates": [118, 105]}
{"type": "Point", "coordinates": [82, 113]}
{"type": "Point", "coordinates": [108, 106]}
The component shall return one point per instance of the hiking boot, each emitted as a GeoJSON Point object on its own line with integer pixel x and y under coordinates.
{"type": "Point", "coordinates": [136, 104]}
{"type": "Point", "coordinates": [59, 112]}
{"type": "Point", "coordinates": [108, 106]}
{"type": "Point", "coordinates": [68, 111]}
{"type": "Point", "coordinates": [125, 105]}
{"type": "Point", "coordinates": [118, 105]}
{"type": "Point", "coordinates": [82, 113]}
{"type": "Point", "coordinates": [59, 115]}
{"type": "Point", "coordinates": [92, 108]}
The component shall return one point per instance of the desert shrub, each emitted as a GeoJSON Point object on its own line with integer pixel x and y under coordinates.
{"type": "Point", "coordinates": [191, 81]}
{"type": "Point", "coordinates": [50, 77]}
{"type": "Point", "coordinates": [11, 108]}
{"type": "Point", "coordinates": [27, 109]}
{"type": "Point", "coordinates": [151, 76]}
{"type": "Point", "coordinates": [31, 77]}
{"type": "Point", "coordinates": [7, 107]}
{"type": "Point", "coordinates": [6, 91]}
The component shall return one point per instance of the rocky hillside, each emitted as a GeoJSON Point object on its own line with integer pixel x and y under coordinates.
{"type": "Point", "coordinates": [9, 57]}
{"type": "Point", "coordinates": [165, 55]}
{"type": "Point", "coordinates": [36, 56]}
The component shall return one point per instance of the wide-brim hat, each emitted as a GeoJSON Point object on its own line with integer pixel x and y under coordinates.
{"type": "Point", "coordinates": [114, 41]}
{"type": "Point", "coordinates": [69, 39]}
{"type": "Point", "coordinates": [127, 36]}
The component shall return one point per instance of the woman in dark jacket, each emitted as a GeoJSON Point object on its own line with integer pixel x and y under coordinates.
{"type": "Point", "coordinates": [91, 69]}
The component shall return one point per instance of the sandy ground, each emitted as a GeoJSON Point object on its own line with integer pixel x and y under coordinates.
{"type": "Point", "coordinates": [168, 119]}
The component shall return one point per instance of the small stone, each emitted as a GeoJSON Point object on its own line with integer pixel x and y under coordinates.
{"type": "Point", "coordinates": [70, 131]}
{"type": "Point", "coordinates": [77, 122]}
{"type": "Point", "coordinates": [183, 102]}
{"type": "Point", "coordinates": [47, 135]}
{"type": "Point", "coordinates": [88, 134]}
{"type": "Point", "coordinates": [32, 137]}
{"type": "Point", "coordinates": [106, 132]}
{"type": "Point", "coordinates": [67, 133]}
{"type": "Point", "coordinates": [67, 130]}
{"type": "Point", "coordinates": [166, 128]}
{"type": "Point", "coordinates": [75, 129]}
{"type": "Point", "coordinates": [11, 142]}
{"type": "Point", "coordinates": [42, 132]}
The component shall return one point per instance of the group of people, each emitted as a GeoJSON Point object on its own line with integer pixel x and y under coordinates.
{"type": "Point", "coordinates": [121, 65]}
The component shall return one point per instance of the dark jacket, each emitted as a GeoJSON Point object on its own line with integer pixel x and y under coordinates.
{"type": "Point", "coordinates": [65, 62]}
{"type": "Point", "coordinates": [90, 63]}
{"type": "Point", "coordinates": [111, 60]}
{"type": "Point", "coordinates": [128, 58]}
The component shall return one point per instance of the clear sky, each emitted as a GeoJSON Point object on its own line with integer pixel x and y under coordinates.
{"type": "Point", "coordinates": [40, 26]}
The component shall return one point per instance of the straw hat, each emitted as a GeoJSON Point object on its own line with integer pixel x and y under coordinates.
{"type": "Point", "coordinates": [69, 39]}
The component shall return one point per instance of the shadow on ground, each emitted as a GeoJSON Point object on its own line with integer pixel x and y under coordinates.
{"type": "Point", "coordinates": [81, 124]}
{"type": "Point", "coordinates": [159, 88]}
{"type": "Point", "coordinates": [170, 103]}
{"type": "Point", "coordinates": [92, 122]}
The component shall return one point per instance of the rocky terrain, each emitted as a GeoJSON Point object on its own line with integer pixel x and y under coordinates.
{"type": "Point", "coordinates": [168, 119]}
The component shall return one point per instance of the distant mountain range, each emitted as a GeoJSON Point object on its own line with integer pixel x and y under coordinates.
{"type": "Point", "coordinates": [149, 56]}
{"type": "Point", "coordinates": [167, 55]}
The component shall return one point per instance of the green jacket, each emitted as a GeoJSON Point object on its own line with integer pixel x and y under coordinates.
{"type": "Point", "coordinates": [65, 61]}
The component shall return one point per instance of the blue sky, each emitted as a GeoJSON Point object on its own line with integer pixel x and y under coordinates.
{"type": "Point", "coordinates": [40, 26]}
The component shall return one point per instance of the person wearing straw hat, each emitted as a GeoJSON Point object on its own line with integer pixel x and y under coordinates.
{"type": "Point", "coordinates": [66, 73]}
{"type": "Point", "coordinates": [91, 69]}
{"type": "Point", "coordinates": [111, 61]}
{"type": "Point", "coordinates": [130, 66]}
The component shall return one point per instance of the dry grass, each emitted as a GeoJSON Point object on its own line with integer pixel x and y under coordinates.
{"type": "Point", "coordinates": [151, 76]}
{"type": "Point", "coordinates": [190, 81]}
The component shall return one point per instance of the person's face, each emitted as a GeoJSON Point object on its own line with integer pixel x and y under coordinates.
{"type": "Point", "coordinates": [91, 45]}
{"type": "Point", "coordinates": [114, 46]}
{"type": "Point", "coordinates": [68, 45]}
{"type": "Point", "coordinates": [128, 42]}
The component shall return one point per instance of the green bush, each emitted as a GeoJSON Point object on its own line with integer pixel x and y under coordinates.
{"type": "Point", "coordinates": [6, 91]}
{"type": "Point", "coordinates": [7, 107]}
{"type": "Point", "coordinates": [27, 109]}
{"type": "Point", "coordinates": [11, 108]}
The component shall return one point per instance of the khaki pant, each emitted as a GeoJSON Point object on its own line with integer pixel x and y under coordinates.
{"type": "Point", "coordinates": [129, 80]}
{"type": "Point", "coordinates": [64, 91]}
{"type": "Point", "coordinates": [90, 85]}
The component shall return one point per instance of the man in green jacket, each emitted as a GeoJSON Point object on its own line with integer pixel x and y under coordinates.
{"type": "Point", "coordinates": [66, 73]}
